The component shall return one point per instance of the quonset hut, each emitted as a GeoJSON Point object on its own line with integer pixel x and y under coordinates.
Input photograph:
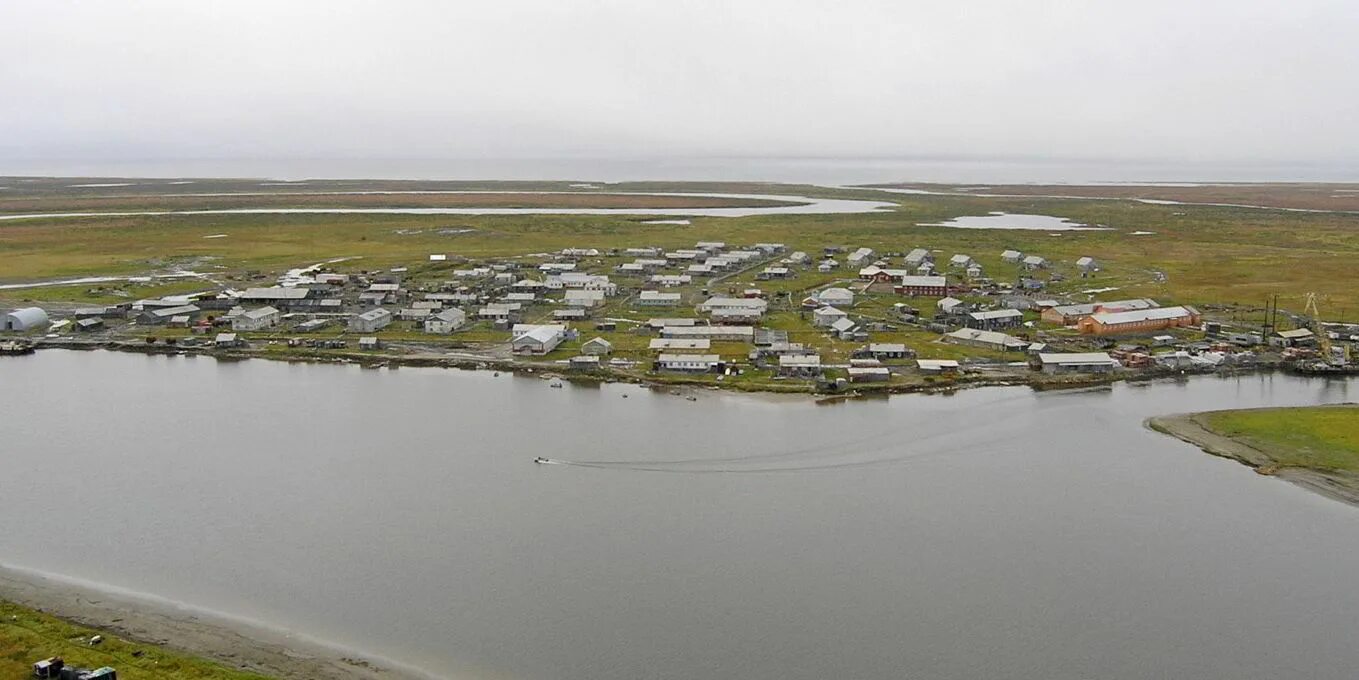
{"type": "Point", "coordinates": [24, 319]}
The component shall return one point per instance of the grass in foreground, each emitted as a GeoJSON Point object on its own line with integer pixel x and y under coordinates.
{"type": "Point", "coordinates": [1317, 438]}
{"type": "Point", "coordinates": [27, 636]}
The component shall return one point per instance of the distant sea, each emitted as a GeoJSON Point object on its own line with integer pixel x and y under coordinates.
{"type": "Point", "coordinates": [825, 171]}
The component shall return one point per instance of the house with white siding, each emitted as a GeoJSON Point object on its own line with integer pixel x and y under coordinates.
{"type": "Point", "coordinates": [446, 321]}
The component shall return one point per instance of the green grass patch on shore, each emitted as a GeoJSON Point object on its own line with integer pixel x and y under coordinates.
{"type": "Point", "coordinates": [27, 636]}
{"type": "Point", "coordinates": [1319, 437]}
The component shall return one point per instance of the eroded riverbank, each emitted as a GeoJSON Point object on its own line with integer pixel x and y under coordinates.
{"type": "Point", "coordinates": [1193, 428]}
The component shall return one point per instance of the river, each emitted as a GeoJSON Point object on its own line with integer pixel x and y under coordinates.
{"type": "Point", "coordinates": [997, 532]}
{"type": "Point", "coordinates": [803, 205]}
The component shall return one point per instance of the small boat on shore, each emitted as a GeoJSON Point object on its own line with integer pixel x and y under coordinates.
{"type": "Point", "coordinates": [15, 347]}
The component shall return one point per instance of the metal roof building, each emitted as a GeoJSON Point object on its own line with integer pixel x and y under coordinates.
{"type": "Point", "coordinates": [24, 319]}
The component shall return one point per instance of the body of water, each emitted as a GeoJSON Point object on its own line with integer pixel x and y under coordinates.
{"type": "Point", "coordinates": [1000, 220]}
{"type": "Point", "coordinates": [993, 533]}
{"type": "Point", "coordinates": [805, 206]}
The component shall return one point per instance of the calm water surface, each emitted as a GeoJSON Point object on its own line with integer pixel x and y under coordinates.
{"type": "Point", "coordinates": [1000, 220]}
{"type": "Point", "coordinates": [994, 533]}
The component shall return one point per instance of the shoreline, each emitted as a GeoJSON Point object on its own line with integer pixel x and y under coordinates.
{"type": "Point", "coordinates": [1036, 381]}
{"type": "Point", "coordinates": [1189, 427]}
{"type": "Point", "coordinates": [234, 642]}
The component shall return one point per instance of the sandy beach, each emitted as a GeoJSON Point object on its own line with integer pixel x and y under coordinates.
{"type": "Point", "coordinates": [234, 643]}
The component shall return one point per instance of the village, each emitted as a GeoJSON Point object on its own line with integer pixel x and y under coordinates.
{"type": "Point", "coordinates": [752, 316]}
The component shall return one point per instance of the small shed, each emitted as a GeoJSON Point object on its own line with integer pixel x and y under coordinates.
{"type": "Point", "coordinates": [227, 341]}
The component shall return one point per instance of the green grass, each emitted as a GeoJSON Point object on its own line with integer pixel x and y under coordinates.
{"type": "Point", "coordinates": [1230, 258]}
{"type": "Point", "coordinates": [1319, 437]}
{"type": "Point", "coordinates": [27, 636]}
{"type": "Point", "coordinates": [1210, 254]}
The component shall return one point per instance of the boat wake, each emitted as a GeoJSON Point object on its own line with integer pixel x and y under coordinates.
{"type": "Point", "coordinates": [867, 452]}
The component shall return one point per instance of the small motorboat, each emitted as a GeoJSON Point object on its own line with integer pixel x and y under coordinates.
{"type": "Point", "coordinates": [540, 460]}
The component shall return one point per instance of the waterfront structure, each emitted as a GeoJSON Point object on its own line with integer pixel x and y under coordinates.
{"type": "Point", "coordinates": [538, 339]}
{"type": "Point", "coordinates": [862, 374]}
{"type": "Point", "coordinates": [1077, 362]}
{"type": "Point", "coordinates": [937, 365]}
{"type": "Point", "coordinates": [800, 365]}
{"type": "Point", "coordinates": [25, 318]}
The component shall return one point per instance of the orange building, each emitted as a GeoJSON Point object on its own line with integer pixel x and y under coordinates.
{"type": "Point", "coordinates": [1138, 321]}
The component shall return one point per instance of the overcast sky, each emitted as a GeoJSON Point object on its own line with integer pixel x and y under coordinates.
{"type": "Point", "coordinates": [1203, 79]}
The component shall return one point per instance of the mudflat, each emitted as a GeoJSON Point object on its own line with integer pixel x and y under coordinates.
{"type": "Point", "coordinates": [236, 645]}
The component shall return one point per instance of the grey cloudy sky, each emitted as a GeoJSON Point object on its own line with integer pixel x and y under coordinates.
{"type": "Point", "coordinates": [1237, 79]}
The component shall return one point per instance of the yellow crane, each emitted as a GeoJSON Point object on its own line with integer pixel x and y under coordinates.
{"type": "Point", "coordinates": [1323, 339]}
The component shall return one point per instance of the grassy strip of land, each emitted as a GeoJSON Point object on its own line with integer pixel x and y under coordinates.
{"type": "Point", "coordinates": [1316, 447]}
{"type": "Point", "coordinates": [27, 635]}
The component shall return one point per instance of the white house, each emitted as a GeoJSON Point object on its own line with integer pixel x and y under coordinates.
{"type": "Point", "coordinates": [960, 261]}
{"type": "Point", "coordinates": [597, 347]}
{"type": "Point", "coordinates": [1087, 264]}
{"type": "Point", "coordinates": [986, 339]}
{"type": "Point", "coordinates": [584, 298]}
{"type": "Point", "coordinates": [538, 340]}
{"type": "Point", "coordinates": [446, 321]}
{"type": "Point", "coordinates": [917, 257]}
{"type": "Point", "coordinates": [823, 317]}
{"type": "Point", "coordinates": [370, 321]}
{"type": "Point", "coordinates": [755, 305]}
{"type": "Point", "coordinates": [844, 329]}
{"type": "Point", "coordinates": [653, 298]}
{"type": "Point", "coordinates": [838, 297]}
{"type": "Point", "coordinates": [256, 319]}
{"type": "Point", "coordinates": [1011, 256]}
{"type": "Point", "coordinates": [951, 305]}
{"type": "Point", "coordinates": [860, 257]}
